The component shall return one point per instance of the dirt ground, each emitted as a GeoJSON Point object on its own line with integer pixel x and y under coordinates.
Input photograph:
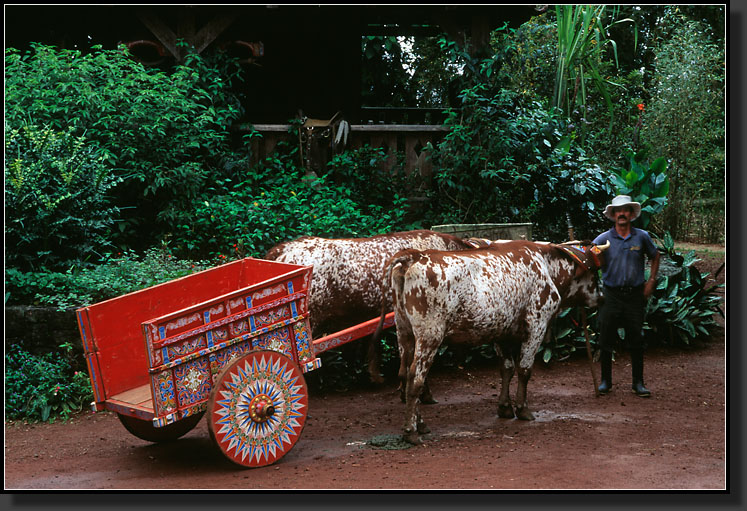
{"type": "Point", "coordinates": [674, 440]}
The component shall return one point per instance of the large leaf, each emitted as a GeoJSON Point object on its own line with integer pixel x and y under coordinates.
{"type": "Point", "coordinates": [659, 166]}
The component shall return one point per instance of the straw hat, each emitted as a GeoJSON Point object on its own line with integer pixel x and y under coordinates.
{"type": "Point", "coordinates": [623, 200]}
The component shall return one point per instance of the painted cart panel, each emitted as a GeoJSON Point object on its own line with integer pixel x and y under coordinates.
{"type": "Point", "coordinates": [154, 354]}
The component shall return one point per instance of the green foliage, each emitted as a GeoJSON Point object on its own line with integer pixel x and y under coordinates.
{"type": "Point", "coordinates": [645, 183]}
{"type": "Point", "coordinates": [165, 134]}
{"type": "Point", "coordinates": [532, 62]}
{"type": "Point", "coordinates": [57, 204]}
{"type": "Point", "coordinates": [685, 121]}
{"type": "Point", "coordinates": [46, 387]}
{"type": "Point", "coordinates": [278, 202]}
{"type": "Point", "coordinates": [582, 37]}
{"type": "Point", "coordinates": [683, 304]}
{"type": "Point", "coordinates": [115, 275]}
{"type": "Point", "coordinates": [508, 159]}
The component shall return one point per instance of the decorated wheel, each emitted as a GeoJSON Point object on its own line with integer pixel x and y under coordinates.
{"type": "Point", "coordinates": [258, 408]}
{"type": "Point", "coordinates": [146, 431]}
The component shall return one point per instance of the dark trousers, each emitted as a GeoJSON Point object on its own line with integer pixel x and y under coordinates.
{"type": "Point", "coordinates": [622, 308]}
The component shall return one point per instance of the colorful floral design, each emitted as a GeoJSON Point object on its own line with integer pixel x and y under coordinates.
{"type": "Point", "coordinates": [193, 382]}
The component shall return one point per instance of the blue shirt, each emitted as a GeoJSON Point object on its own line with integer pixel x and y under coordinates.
{"type": "Point", "coordinates": [624, 260]}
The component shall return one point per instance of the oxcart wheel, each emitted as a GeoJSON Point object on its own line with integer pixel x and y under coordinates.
{"type": "Point", "coordinates": [146, 431]}
{"type": "Point", "coordinates": [258, 408]}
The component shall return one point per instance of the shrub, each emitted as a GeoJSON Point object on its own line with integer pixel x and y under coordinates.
{"type": "Point", "coordinates": [165, 134]}
{"type": "Point", "coordinates": [42, 388]}
{"type": "Point", "coordinates": [683, 304]}
{"type": "Point", "coordinates": [57, 203]}
{"type": "Point", "coordinates": [645, 183]}
{"type": "Point", "coordinates": [510, 159]}
{"type": "Point", "coordinates": [114, 276]}
{"type": "Point", "coordinates": [257, 213]}
{"type": "Point", "coordinates": [686, 121]}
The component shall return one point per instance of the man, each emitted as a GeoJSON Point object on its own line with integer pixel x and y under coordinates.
{"type": "Point", "coordinates": [625, 292]}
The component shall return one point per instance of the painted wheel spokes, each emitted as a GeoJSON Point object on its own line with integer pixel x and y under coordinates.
{"type": "Point", "coordinates": [258, 408]}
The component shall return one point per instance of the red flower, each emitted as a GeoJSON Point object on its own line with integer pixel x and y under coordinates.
{"type": "Point", "coordinates": [641, 106]}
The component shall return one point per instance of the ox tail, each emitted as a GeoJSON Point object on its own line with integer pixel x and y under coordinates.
{"type": "Point", "coordinates": [392, 282]}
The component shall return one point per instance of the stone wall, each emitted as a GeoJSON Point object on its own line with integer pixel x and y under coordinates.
{"type": "Point", "coordinates": [41, 329]}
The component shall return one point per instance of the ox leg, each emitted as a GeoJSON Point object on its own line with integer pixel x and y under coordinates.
{"type": "Point", "coordinates": [505, 410]}
{"type": "Point", "coordinates": [528, 352]}
{"type": "Point", "coordinates": [416, 375]}
{"type": "Point", "coordinates": [406, 346]}
{"type": "Point", "coordinates": [522, 406]}
{"type": "Point", "coordinates": [374, 357]}
{"type": "Point", "coordinates": [426, 397]}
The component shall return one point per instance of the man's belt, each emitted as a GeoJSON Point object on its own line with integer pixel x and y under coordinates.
{"type": "Point", "coordinates": [625, 290]}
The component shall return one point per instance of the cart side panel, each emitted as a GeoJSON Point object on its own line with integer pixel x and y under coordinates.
{"type": "Point", "coordinates": [185, 361]}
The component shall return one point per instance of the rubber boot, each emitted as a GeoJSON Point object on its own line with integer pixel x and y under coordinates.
{"type": "Point", "coordinates": [636, 360]}
{"type": "Point", "coordinates": [605, 385]}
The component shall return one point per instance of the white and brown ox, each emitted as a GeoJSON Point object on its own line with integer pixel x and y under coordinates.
{"type": "Point", "coordinates": [346, 278]}
{"type": "Point", "coordinates": [505, 294]}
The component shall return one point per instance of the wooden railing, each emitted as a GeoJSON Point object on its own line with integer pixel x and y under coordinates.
{"type": "Point", "coordinates": [412, 139]}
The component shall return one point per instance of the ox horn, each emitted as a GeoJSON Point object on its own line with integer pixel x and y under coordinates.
{"type": "Point", "coordinates": [575, 242]}
{"type": "Point", "coordinates": [604, 247]}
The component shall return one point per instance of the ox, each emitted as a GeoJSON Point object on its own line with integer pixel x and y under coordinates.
{"type": "Point", "coordinates": [506, 293]}
{"type": "Point", "coordinates": [346, 279]}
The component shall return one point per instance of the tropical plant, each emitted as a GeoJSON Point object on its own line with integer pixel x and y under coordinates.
{"type": "Point", "coordinates": [582, 37]}
{"type": "Point", "coordinates": [683, 305]}
{"type": "Point", "coordinates": [44, 387]}
{"type": "Point", "coordinates": [507, 158]}
{"type": "Point", "coordinates": [644, 183]}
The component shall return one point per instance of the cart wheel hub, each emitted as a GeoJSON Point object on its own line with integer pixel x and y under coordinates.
{"type": "Point", "coordinates": [261, 408]}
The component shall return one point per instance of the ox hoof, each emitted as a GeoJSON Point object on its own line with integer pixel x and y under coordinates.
{"type": "Point", "coordinates": [524, 414]}
{"type": "Point", "coordinates": [428, 399]}
{"type": "Point", "coordinates": [411, 437]}
{"type": "Point", "coordinates": [506, 412]}
{"type": "Point", "coordinates": [377, 379]}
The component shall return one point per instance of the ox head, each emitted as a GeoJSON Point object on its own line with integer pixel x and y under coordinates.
{"type": "Point", "coordinates": [588, 259]}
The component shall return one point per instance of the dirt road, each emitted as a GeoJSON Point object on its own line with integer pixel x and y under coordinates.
{"type": "Point", "coordinates": [674, 440]}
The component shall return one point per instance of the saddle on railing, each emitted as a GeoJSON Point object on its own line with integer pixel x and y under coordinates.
{"type": "Point", "coordinates": [319, 139]}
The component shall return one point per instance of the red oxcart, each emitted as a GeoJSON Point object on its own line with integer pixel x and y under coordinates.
{"type": "Point", "coordinates": [233, 341]}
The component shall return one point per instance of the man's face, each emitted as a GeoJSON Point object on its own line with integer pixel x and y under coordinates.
{"type": "Point", "coordinates": [622, 214]}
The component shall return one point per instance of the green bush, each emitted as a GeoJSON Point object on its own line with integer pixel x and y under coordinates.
{"type": "Point", "coordinates": [686, 121]}
{"type": "Point", "coordinates": [46, 387]}
{"type": "Point", "coordinates": [508, 159]}
{"type": "Point", "coordinates": [57, 199]}
{"type": "Point", "coordinates": [683, 304]}
{"type": "Point", "coordinates": [114, 276]}
{"type": "Point", "coordinates": [166, 135]}
{"type": "Point", "coordinates": [275, 204]}
{"type": "Point", "coordinates": [645, 183]}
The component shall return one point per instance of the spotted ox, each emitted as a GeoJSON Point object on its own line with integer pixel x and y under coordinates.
{"type": "Point", "coordinates": [505, 294]}
{"type": "Point", "coordinates": [346, 278]}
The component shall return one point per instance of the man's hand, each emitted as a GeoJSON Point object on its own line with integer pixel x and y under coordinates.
{"type": "Point", "coordinates": [648, 288]}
